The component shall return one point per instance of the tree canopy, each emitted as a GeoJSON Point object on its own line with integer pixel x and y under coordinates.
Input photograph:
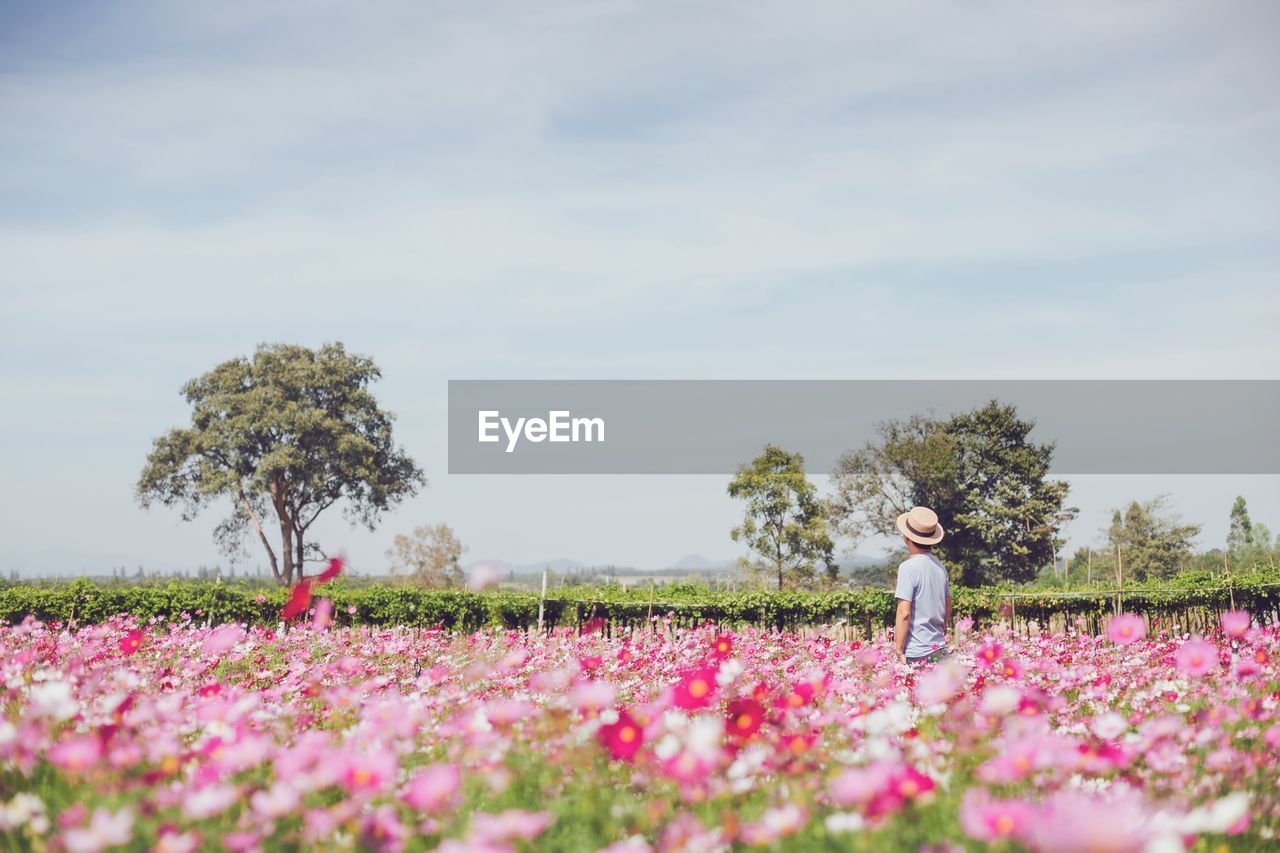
{"type": "Point", "coordinates": [291, 432]}
{"type": "Point", "coordinates": [983, 475]}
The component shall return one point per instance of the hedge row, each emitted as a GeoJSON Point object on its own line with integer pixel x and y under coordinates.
{"type": "Point", "coordinates": [1187, 601]}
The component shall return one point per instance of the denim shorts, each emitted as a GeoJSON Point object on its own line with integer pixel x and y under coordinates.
{"type": "Point", "coordinates": [933, 657]}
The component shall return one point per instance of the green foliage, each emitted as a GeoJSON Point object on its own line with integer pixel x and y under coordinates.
{"type": "Point", "coordinates": [291, 431]}
{"type": "Point", "coordinates": [979, 471]}
{"type": "Point", "coordinates": [785, 523]}
{"type": "Point", "coordinates": [868, 610]}
{"type": "Point", "coordinates": [1151, 542]}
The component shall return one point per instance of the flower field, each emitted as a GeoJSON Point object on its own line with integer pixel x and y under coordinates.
{"type": "Point", "coordinates": [174, 736]}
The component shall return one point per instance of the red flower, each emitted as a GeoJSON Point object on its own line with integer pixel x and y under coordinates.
{"type": "Point", "coordinates": [695, 689]}
{"type": "Point", "coordinates": [331, 571]}
{"type": "Point", "coordinates": [623, 738]}
{"type": "Point", "coordinates": [298, 601]}
{"type": "Point", "coordinates": [131, 641]}
{"type": "Point", "coordinates": [722, 647]}
{"type": "Point", "coordinates": [744, 718]}
{"type": "Point", "coordinates": [797, 745]}
{"type": "Point", "coordinates": [590, 664]}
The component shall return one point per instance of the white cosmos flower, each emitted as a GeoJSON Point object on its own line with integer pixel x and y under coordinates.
{"type": "Point", "coordinates": [53, 699]}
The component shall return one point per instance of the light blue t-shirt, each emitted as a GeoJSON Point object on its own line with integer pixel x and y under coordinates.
{"type": "Point", "coordinates": [923, 581]}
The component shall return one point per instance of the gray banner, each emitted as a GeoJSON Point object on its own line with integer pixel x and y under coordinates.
{"type": "Point", "coordinates": [713, 426]}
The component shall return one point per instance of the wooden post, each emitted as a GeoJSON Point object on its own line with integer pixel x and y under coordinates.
{"type": "Point", "coordinates": [1226, 570]}
{"type": "Point", "coordinates": [542, 601]}
{"type": "Point", "coordinates": [1090, 567]}
{"type": "Point", "coordinates": [1119, 581]}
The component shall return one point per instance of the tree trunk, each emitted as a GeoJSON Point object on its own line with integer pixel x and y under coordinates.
{"type": "Point", "coordinates": [279, 501]}
{"type": "Point", "coordinates": [257, 525]}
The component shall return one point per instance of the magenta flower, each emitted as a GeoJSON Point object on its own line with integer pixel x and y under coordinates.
{"type": "Point", "coordinates": [695, 689]}
{"type": "Point", "coordinates": [131, 641]}
{"type": "Point", "coordinates": [623, 738]}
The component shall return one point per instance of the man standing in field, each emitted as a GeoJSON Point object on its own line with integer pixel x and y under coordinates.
{"type": "Point", "coordinates": [923, 593]}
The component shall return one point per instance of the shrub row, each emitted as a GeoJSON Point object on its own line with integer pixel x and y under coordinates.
{"type": "Point", "coordinates": [84, 602]}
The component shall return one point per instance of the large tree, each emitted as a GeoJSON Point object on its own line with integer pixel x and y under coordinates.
{"type": "Point", "coordinates": [283, 436]}
{"type": "Point", "coordinates": [1149, 540]}
{"type": "Point", "coordinates": [430, 555]}
{"type": "Point", "coordinates": [983, 475]}
{"type": "Point", "coordinates": [785, 524]}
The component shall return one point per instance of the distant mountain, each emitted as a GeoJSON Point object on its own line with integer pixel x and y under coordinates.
{"type": "Point", "coordinates": [697, 562]}
{"type": "Point", "coordinates": [561, 564]}
{"type": "Point", "coordinates": [691, 563]}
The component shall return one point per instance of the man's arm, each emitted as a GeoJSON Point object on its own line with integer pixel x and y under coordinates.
{"type": "Point", "coordinates": [947, 624]}
{"type": "Point", "coordinates": [900, 625]}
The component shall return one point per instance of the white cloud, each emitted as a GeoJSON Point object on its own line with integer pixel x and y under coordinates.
{"type": "Point", "coordinates": [618, 189]}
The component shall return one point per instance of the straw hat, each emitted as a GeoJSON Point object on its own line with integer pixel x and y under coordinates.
{"type": "Point", "coordinates": [921, 526]}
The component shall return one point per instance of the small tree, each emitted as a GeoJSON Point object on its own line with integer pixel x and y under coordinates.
{"type": "Point", "coordinates": [430, 555]}
{"type": "Point", "coordinates": [785, 523]}
{"type": "Point", "coordinates": [290, 432]}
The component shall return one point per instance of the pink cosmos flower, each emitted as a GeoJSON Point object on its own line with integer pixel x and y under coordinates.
{"type": "Point", "coordinates": [989, 653]}
{"type": "Point", "coordinates": [1196, 657]}
{"type": "Point", "coordinates": [211, 800]}
{"type": "Point", "coordinates": [382, 830]}
{"type": "Point", "coordinates": [743, 718]}
{"type": "Point", "coordinates": [222, 639]}
{"type": "Point", "coordinates": [172, 840]}
{"type": "Point", "coordinates": [275, 802]}
{"type": "Point", "coordinates": [593, 695]}
{"type": "Point", "coordinates": [1235, 623]}
{"type": "Point", "coordinates": [77, 754]}
{"type": "Point", "coordinates": [695, 689]}
{"type": "Point", "coordinates": [687, 767]}
{"type": "Point", "coordinates": [131, 641]}
{"type": "Point", "coordinates": [105, 829]}
{"type": "Point", "coordinates": [775, 823]}
{"type": "Point", "coordinates": [368, 771]}
{"type": "Point", "coordinates": [509, 825]}
{"type": "Point", "coordinates": [622, 738]}
{"type": "Point", "coordinates": [940, 683]}
{"type": "Point", "coordinates": [1126, 628]}
{"type": "Point", "coordinates": [323, 616]}
{"type": "Point", "coordinates": [988, 820]}
{"type": "Point", "coordinates": [434, 789]}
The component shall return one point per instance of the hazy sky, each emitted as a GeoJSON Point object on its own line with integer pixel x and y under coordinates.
{"type": "Point", "coordinates": [612, 190]}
